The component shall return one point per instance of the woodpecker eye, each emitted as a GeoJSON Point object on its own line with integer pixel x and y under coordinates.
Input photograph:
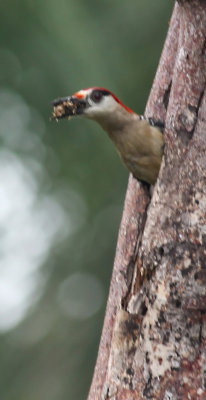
{"type": "Point", "coordinates": [96, 96]}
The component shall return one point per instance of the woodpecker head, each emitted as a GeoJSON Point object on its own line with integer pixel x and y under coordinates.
{"type": "Point", "coordinates": [94, 103]}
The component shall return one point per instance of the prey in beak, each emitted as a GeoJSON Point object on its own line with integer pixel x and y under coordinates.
{"type": "Point", "coordinates": [66, 107]}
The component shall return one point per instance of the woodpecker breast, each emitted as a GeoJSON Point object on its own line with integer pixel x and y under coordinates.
{"type": "Point", "coordinates": [140, 146]}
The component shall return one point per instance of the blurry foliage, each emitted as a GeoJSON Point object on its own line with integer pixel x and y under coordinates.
{"type": "Point", "coordinates": [62, 185]}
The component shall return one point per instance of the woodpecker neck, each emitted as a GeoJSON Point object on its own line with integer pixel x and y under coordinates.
{"type": "Point", "coordinates": [115, 121]}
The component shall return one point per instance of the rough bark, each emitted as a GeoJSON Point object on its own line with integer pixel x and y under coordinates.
{"type": "Point", "coordinates": [154, 335]}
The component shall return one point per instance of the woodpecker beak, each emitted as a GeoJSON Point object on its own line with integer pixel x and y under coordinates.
{"type": "Point", "coordinates": [66, 107]}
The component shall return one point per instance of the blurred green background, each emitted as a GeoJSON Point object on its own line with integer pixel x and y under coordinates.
{"type": "Point", "coordinates": [62, 185]}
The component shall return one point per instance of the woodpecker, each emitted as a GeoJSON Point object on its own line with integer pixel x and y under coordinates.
{"type": "Point", "coordinates": [139, 141]}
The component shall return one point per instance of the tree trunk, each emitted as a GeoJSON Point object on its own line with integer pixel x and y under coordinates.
{"type": "Point", "coordinates": [153, 340]}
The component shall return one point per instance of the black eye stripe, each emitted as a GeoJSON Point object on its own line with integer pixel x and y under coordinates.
{"type": "Point", "coordinates": [98, 94]}
{"type": "Point", "coordinates": [105, 92]}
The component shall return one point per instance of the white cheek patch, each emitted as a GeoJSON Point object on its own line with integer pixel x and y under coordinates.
{"type": "Point", "coordinates": [90, 102]}
{"type": "Point", "coordinates": [104, 107]}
